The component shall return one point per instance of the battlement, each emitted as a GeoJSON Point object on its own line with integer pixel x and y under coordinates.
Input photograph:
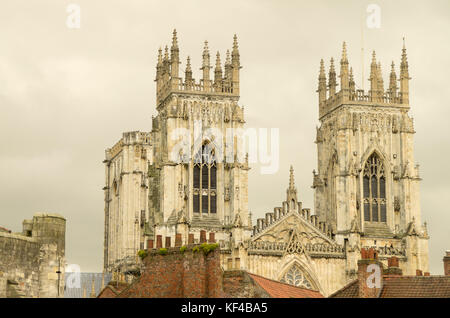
{"type": "Point", "coordinates": [168, 80]}
{"type": "Point", "coordinates": [128, 138]}
{"type": "Point", "coordinates": [330, 99]}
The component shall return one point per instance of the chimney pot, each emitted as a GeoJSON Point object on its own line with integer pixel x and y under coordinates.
{"type": "Point", "coordinates": [393, 262]}
{"type": "Point", "coordinates": [447, 263]}
{"type": "Point", "coordinates": [178, 239]}
{"type": "Point", "coordinates": [418, 272]}
{"type": "Point", "coordinates": [202, 236]}
{"type": "Point", "coordinates": [158, 241]}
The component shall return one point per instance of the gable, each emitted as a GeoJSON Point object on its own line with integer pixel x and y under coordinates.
{"type": "Point", "coordinates": [293, 234]}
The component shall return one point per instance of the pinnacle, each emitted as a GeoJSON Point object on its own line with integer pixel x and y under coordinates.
{"type": "Point", "coordinates": [374, 58]}
{"type": "Point", "coordinates": [174, 39]}
{"type": "Point", "coordinates": [322, 69]}
{"type": "Point", "coordinates": [188, 64]}
{"type": "Point", "coordinates": [235, 42]}
{"type": "Point", "coordinates": [344, 53]}
{"type": "Point", "coordinates": [166, 53]}
{"type": "Point", "coordinates": [332, 66]}
{"type": "Point", "coordinates": [291, 178]}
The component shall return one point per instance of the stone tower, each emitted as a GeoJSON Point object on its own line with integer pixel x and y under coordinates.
{"type": "Point", "coordinates": [189, 173]}
{"type": "Point", "coordinates": [367, 183]}
{"type": "Point", "coordinates": [198, 178]}
{"type": "Point", "coordinates": [126, 198]}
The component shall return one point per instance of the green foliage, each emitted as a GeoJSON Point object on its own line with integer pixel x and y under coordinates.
{"type": "Point", "coordinates": [142, 254]}
{"type": "Point", "coordinates": [196, 249]}
{"type": "Point", "coordinates": [183, 249]}
{"type": "Point", "coordinates": [162, 251]}
{"type": "Point", "coordinates": [207, 248]}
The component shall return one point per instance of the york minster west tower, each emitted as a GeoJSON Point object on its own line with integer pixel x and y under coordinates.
{"type": "Point", "coordinates": [367, 180]}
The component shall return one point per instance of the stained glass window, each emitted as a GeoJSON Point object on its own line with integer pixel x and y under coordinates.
{"type": "Point", "coordinates": [374, 190]}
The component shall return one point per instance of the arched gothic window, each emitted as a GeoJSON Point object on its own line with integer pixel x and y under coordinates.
{"type": "Point", "coordinates": [374, 190]}
{"type": "Point", "coordinates": [205, 181]}
{"type": "Point", "coordinates": [295, 276]}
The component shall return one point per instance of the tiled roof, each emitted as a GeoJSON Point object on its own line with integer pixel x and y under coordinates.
{"type": "Point", "coordinates": [416, 286]}
{"type": "Point", "coordinates": [403, 287]}
{"type": "Point", "coordinates": [350, 290]}
{"type": "Point", "coordinates": [281, 290]}
{"type": "Point", "coordinates": [74, 290]}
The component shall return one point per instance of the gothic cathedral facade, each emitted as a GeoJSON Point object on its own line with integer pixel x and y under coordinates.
{"type": "Point", "coordinates": [181, 179]}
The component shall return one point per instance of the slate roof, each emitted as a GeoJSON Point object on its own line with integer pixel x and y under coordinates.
{"type": "Point", "coordinates": [404, 287]}
{"type": "Point", "coordinates": [282, 290]}
{"type": "Point", "coordinates": [74, 290]}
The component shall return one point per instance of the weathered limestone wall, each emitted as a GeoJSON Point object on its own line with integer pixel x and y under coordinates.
{"type": "Point", "coordinates": [32, 262]}
{"type": "Point", "coordinates": [19, 265]}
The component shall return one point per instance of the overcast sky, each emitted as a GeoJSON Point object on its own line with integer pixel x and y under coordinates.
{"type": "Point", "coordinates": [67, 94]}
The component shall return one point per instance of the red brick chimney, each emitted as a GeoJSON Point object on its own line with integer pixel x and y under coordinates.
{"type": "Point", "coordinates": [447, 263]}
{"type": "Point", "coordinates": [370, 274]}
{"type": "Point", "coordinates": [393, 267]}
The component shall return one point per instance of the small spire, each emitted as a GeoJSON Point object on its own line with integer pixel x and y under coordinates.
{"type": "Point", "coordinates": [322, 89]}
{"type": "Point", "coordinates": [374, 57]}
{"type": "Point", "coordinates": [218, 66]}
{"type": "Point", "coordinates": [84, 291]}
{"type": "Point", "coordinates": [332, 78]}
{"type": "Point", "coordinates": [188, 72]}
{"type": "Point", "coordinates": [291, 190]}
{"type": "Point", "coordinates": [174, 39]}
{"type": "Point", "coordinates": [380, 78]}
{"type": "Point", "coordinates": [228, 60]}
{"type": "Point", "coordinates": [166, 53]}
{"type": "Point", "coordinates": [159, 56]}
{"type": "Point", "coordinates": [206, 56]}
{"type": "Point", "coordinates": [235, 43]}
{"type": "Point", "coordinates": [344, 53]}
{"type": "Point", "coordinates": [188, 64]}
{"type": "Point", "coordinates": [351, 81]}
{"type": "Point", "coordinates": [218, 71]}
{"type": "Point", "coordinates": [291, 178]}
{"type": "Point", "coordinates": [322, 70]}
{"type": "Point", "coordinates": [393, 81]}
{"type": "Point", "coordinates": [332, 66]}
{"type": "Point", "coordinates": [404, 63]}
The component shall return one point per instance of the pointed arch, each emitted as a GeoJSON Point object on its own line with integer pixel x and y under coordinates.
{"type": "Point", "coordinates": [330, 183]}
{"type": "Point", "coordinates": [296, 272]}
{"type": "Point", "coordinates": [205, 179]}
{"type": "Point", "coordinates": [374, 177]}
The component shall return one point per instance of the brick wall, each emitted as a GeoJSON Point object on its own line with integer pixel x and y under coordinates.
{"type": "Point", "coordinates": [238, 284]}
{"type": "Point", "coordinates": [189, 274]}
